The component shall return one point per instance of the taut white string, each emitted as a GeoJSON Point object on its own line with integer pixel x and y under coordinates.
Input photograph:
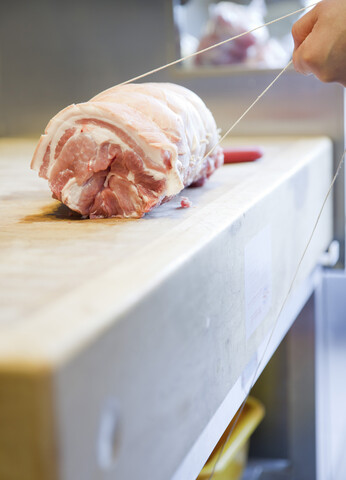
{"type": "Point", "coordinates": [179, 60]}
{"type": "Point", "coordinates": [248, 109]}
{"type": "Point", "coordinates": [280, 312]}
{"type": "Point", "coordinates": [175, 62]}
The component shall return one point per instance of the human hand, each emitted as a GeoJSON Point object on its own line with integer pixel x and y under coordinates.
{"type": "Point", "coordinates": [320, 42]}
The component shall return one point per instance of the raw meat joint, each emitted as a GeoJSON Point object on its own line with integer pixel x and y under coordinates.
{"type": "Point", "coordinates": [128, 149]}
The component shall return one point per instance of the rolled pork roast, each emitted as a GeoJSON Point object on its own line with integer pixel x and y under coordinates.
{"type": "Point", "coordinates": [129, 149]}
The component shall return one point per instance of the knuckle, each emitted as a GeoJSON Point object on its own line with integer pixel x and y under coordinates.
{"type": "Point", "coordinates": [327, 76]}
{"type": "Point", "coordinates": [311, 59]}
{"type": "Point", "coordinates": [294, 30]}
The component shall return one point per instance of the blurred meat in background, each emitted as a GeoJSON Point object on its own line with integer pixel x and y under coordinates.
{"type": "Point", "coordinates": [258, 49]}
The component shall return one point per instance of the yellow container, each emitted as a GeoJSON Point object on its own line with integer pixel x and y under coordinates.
{"type": "Point", "coordinates": [231, 464]}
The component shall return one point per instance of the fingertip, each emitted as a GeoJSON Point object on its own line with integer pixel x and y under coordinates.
{"type": "Point", "coordinates": [295, 36]}
{"type": "Point", "coordinates": [296, 61]}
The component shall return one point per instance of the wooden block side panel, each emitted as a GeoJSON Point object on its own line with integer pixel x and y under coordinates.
{"type": "Point", "coordinates": [27, 447]}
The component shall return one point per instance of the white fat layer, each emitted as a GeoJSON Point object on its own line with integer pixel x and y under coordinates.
{"type": "Point", "coordinates": [174, 185]}
{"type": "Point", "coordinates": [99, 134]}
{"type": "Point", "coordinates": [71, 193]}
{"type": "Point", "coordinates": [69, 117]}
{"type": "Point", "coordinates": [103, 135]}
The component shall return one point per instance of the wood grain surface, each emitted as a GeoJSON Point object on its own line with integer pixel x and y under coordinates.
{"type": "Point", "coordinates": [48, 254]}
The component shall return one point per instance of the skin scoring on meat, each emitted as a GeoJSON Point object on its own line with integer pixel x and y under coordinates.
{"type": "Point", "coordinates": [128, 149]}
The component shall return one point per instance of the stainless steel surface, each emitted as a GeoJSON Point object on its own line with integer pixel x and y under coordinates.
{"type": "Point", "coordinates": [306, 415]}
{"type": "Point", "coordinates": [289, 428]}
{"type": "Point", "coordinates": [330, 380]}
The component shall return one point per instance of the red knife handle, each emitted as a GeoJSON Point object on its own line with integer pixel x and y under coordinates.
{"type": "Point", "coordinates": [239, 155]}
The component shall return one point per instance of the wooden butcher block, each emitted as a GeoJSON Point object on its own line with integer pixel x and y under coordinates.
{"type": "Point", "coordinates": [119, 339]}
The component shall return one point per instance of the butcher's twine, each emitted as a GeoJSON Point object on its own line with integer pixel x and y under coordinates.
{"type": "Point", "coordinates": [187, 57]}
{"type": "Point", "coordinates": [315, 224]}
{"type": "Point", "coordinates": [280, 312]}
{"type": "Point", "coordinates": [248, 109]}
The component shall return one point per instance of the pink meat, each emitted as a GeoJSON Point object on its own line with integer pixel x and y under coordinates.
{"type": "Point", "coordinates": [185, 202]}
{"type": "Point", "coordinates": [128, 149]}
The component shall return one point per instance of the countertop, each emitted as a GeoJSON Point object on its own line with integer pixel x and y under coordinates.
{"type": "Point", "coordinates": [149, 316]}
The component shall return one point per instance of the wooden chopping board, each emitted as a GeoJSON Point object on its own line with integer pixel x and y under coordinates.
{"type": "Point", "coordinates": [48, 254]}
